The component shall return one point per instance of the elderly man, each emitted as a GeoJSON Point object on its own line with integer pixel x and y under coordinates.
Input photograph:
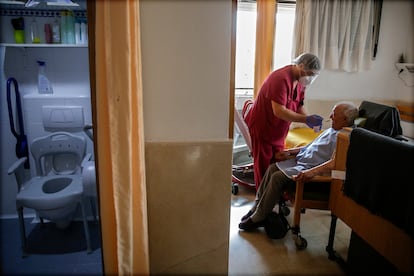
{"type": "Point", "coordinates": [313, 159]}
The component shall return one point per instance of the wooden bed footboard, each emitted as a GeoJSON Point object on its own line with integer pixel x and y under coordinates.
{"type": "Point", "coordinates": [386, 238]}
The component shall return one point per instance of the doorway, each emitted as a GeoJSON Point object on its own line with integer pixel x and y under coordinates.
{"type": "Point", "coordinates": [51, 250]}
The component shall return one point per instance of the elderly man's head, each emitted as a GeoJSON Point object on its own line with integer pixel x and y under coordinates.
{"type": "Point", "coordinates": [343, 115]}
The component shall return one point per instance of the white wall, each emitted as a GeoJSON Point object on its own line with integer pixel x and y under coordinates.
{"type": "Point", "coordinates": [68, 72]}
{"type": "Point", "coordinates": [186, 70]}
{"type": "Point", "coordinates": [381, 82]}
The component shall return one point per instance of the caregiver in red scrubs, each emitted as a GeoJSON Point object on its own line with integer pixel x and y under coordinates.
{"type": "Point", "coordinates": [278, 103]}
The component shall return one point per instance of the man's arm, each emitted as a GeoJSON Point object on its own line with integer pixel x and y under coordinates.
{"type": "Point", "coordinates": [287, 153]}
{"type": "Point", "coordinates": [306, 175]}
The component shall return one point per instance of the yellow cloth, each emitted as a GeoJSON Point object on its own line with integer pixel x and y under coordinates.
{"type": "Point", "coordinates": [300, 136]}
{"type": "Point", "coordinates": [117, 85]}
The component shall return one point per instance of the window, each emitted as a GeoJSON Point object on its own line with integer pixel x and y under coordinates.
{"type": "Point", "coordinates": [245, 45]}
{"type": "Point", "coordinates": [245, 49]}
{"type": "Point", "coordinates": [285, 20]}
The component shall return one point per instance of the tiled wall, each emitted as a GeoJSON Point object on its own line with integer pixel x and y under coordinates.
{"type": "Point", "coordinates": [189, 192]}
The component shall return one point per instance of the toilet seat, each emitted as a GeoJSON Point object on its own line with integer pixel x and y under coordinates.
{"type": "Point", "coordinates": [32, 194]}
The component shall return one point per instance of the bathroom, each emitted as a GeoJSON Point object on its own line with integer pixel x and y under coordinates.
{"type": "Point", "coordinates": [67, 108]}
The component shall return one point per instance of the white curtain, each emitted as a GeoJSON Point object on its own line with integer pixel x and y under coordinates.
{"type": "Point", "coordinates": [339, 32]}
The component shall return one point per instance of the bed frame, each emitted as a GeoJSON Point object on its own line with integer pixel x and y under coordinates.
{"type": "Point", "coordinates": [388, 240]}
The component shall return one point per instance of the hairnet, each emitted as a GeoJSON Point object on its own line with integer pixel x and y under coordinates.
{"type": "Point", "coordinates": [309, 61]}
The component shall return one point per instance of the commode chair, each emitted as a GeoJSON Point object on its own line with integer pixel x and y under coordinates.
{"type": "Point", "coordinates": [89, 177]}
{"type": "Point", "coordinates": [57, 189]}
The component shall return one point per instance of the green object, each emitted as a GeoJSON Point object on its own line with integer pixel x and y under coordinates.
{"type": "Point", "coordinates": [19, 36]}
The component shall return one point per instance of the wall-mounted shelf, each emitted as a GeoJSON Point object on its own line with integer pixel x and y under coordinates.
{"type": "Point", "coordinates": [42, 45]}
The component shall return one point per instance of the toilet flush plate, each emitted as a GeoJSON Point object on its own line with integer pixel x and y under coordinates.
{"type": "Point", "coordinates": [57, 118]}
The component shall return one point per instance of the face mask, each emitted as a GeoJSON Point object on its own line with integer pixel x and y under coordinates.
{"type": "Point", "coordinates": [307, 80]}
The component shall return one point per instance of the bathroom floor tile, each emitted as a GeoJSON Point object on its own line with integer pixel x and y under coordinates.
{"type": "Point", "coordinates": [51, 251]}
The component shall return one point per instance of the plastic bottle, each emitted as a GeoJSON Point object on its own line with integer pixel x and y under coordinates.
{"type": "Point", "coordinates": [63, 33]}
{"type": "Point", "coordinates": [84, 32]}
{"type": "Point", "coordinates": [70, 27]}
{"type": "Point", "coordinates": [56, 31]}
{"type": "Point", "coordinates": [78, 34]}
{"type": "Point", "coordinates": [48, 33]}
{"type": "Point", "coordinates": [34, 31]}
{"type": "Point", "coordinates": [43, 82]}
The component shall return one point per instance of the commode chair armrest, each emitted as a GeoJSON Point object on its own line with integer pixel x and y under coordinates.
{"type": "Point", "coordinates": [87, 158]}
{"type": "Point", "coordinates": [21, 174]}
{"type": "Point", "coordinates": [16, 165]}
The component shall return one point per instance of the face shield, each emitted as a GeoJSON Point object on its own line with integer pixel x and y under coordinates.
{"type": "Point", "coordinates": [308, 79]}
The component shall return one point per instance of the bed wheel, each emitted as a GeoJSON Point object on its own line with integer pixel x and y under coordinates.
{"type": "Point", "coordinates": [301, 243]}
{"type": "Point", "coordinates": [234, 188]}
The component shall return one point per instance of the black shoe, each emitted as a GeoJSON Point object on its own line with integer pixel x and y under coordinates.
{"type": "Point", "coordinates": [246, 216]}
{"type": "Point", "coordinates": [249, 225]}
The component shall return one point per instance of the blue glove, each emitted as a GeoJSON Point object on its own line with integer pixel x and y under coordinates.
{"type": "Point", "coordinates": [314, 120]}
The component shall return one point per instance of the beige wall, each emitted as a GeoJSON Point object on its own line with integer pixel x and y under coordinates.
{"type": "Point", "coordinates": [188, 188]}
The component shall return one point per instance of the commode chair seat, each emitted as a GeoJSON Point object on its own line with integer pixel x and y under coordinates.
{"type": "Point", "coordinates": [51, 192]}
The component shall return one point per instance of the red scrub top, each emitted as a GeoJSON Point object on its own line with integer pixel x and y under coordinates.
{"type": "Point", "coordinates": [268, 132]}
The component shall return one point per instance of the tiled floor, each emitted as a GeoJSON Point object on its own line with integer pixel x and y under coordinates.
{"type": "Point", "coordinates": [51, 251]}
{"type": "Point", "coordinates": [253, 253]}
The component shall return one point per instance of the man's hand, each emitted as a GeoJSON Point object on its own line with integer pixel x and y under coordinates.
{"type": "Point", "coordinates": [282, 155]}
{"type": "Point", "coordinates": [304, 176]}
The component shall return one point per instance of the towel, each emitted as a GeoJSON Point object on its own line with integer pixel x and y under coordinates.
{"type": "Point", "coordinates": [379, 176]}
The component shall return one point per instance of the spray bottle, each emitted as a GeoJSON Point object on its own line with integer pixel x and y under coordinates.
{"type": "Point", "coordinates": [43, 82]}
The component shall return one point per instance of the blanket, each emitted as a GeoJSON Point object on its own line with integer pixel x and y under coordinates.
{"type": "Point", "coordinates": [379, 176]}
{"type": "Point", "coordinates": [300, 136]}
